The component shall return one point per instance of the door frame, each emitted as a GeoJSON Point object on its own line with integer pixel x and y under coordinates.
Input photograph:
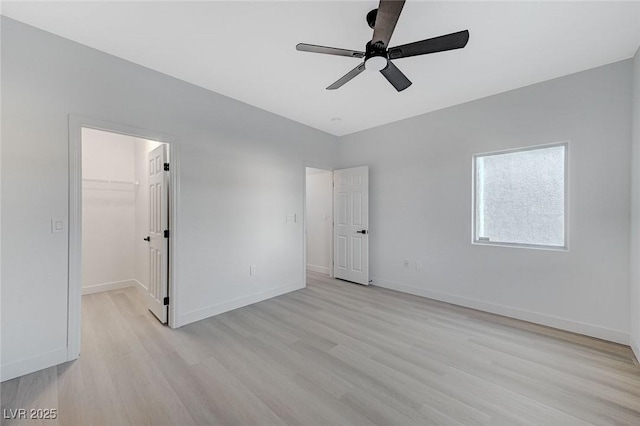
{"type": "Point", "coordinates": [76, 123]}
{"type": "Point", "coordinates": [304, 221]}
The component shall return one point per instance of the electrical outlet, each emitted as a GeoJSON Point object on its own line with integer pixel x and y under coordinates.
{"type": "Point", "coordinates": [252, 269]}
{"type": "Point", "coordinates": [418, 265]}
{"type": "Point", "coordinates": [407, 264]}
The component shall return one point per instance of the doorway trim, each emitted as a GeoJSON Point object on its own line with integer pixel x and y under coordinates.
{"type": "Point", "coordinates": [304, 221]}
{"type": "Point", "coordinates": [76, 123]}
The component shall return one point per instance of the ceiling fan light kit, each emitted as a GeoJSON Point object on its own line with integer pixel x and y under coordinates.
{"type": "Point", "coordinates": [376, 63]}
{"type": "Point", "coordinates": [377, 56]}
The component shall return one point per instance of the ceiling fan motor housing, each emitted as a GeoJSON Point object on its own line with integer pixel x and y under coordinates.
{"type": "Point", "coordinates": [376, 56]}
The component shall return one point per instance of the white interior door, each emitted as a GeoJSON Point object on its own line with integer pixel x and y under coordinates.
{"type": "Point", "coordinates": [351, 224]}
{"type": "Point", "coordinates": [158, 241]}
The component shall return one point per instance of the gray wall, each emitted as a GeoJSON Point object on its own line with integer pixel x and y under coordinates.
{"type": "Point", "coordinates": [635, 211]}
{"type": "Point", "coordinates": [420, 203]}
{"type": "Point", "coordinates": [242, 171]}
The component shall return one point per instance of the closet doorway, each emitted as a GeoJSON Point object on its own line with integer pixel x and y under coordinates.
{"type": "Point", "coordinates": [125, 221]}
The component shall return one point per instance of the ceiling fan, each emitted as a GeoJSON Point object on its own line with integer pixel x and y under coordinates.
{"type": "Point", "coordinates": [377, 56]}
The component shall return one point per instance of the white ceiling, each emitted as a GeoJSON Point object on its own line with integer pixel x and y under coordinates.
{"type": "Point", "coordinates": [246, 50]}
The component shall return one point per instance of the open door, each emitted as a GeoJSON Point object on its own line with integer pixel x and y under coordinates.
{"type": "Point", "coordinates": [157, 299]}
{"type": "Point", "coordinates": [351, 224]}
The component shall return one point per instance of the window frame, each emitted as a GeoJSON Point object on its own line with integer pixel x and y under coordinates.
{"type": "Point", "coordinates": [474, 203]}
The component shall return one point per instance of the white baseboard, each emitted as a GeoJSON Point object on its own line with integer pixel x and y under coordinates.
{"type": "Point", "coordinates": [543, 319]}
{"type": "Point", "coordinates": [97, 288]}
{"type": "Point", "coordinates": [318, 269]}
{"type": "Point", "coordinates": [143, 288]}
{"type": "Point", "coordinates": [635, 347]}
{"type": "Point", "coordinates": [29, 365]}
{"type": "Point", "coordinates": [219, 308]}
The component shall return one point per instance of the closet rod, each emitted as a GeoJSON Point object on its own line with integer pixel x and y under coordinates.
{"type": "Point", "coordinates": [110, 181]}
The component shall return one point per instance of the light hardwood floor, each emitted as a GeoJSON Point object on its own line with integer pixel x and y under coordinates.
{"type": "Point", "coordinates": [333, 353]}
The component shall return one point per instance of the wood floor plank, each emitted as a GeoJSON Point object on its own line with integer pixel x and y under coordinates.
{"type": "Point", "coordinates": [332, 353]}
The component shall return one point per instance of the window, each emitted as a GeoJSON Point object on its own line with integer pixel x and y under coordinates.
{"type": "Point", "coordinates": [520, 197]}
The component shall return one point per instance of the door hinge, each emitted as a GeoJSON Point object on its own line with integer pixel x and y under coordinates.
{"type": "Point", "coordinates": [166, 233]}
{"type": "Point", "coordinates": [166, 167]}
{"type": "Point", "coordinates": [166, 301]}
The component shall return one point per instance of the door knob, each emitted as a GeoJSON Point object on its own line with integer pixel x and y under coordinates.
{"type": "Point", "coordinates": [147, 239]}
{"type": "Point", "coordinates": [364, 231]}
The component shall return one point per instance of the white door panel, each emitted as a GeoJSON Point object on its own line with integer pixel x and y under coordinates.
{"type": "Point", "coordinates": [351, 212]}
{"type": "Point", "coordinates": [158, 223]}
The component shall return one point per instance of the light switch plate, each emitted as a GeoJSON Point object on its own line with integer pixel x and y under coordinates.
{"type": "Point", "coordinates": [291, 218]}
{"type": "Point", "coordinates": [57, 225]}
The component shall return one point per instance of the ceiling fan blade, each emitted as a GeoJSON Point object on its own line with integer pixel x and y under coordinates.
{"type": "Point", "coordinates": [432, 45]}
{"type": "Point", "coordinates": [396, 77]}
{"type": "Point", "coordinates": [303, 47]}
{"type": "Point", "coordinates": [347, 77]}
{"type": "Point", "coordinates": [386, 19]}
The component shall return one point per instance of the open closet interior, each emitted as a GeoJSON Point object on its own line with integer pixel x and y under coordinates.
{"type": "Point", "coordinates": [116, 217]}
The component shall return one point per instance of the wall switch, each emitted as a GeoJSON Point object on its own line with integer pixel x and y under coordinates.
{"type": "Point", "coordinates": [57, 225]}
{"type": "Point", "coordinates": [418, 265]}
{"type": "Point", "coordinates": [406, 263]}
{"type": "Point", "coordinates": [291, 218]}
{"type": "Point", "coordinates": [252, 269]}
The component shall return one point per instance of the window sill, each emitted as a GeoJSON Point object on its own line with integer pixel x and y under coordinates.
{"type": "Point", "coordinates": [524, 246]}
